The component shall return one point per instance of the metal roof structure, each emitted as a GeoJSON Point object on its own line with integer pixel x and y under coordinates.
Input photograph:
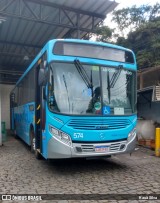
{"type": "Point", "coordinates": [26, 25]}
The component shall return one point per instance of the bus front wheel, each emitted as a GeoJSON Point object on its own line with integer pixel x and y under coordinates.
{"type": "Point", "coordinates": [14, 131]}
{"type": "Point", "coordinates": [33, 141]}
{"type": "Point", "coordinates": [33, 146]}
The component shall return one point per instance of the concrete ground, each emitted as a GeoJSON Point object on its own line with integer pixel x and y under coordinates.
{"type": "Point", "coordinates": [22, 173]}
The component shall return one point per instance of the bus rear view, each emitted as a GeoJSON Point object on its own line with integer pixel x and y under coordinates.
{"type": "Point", "coordinates": [85, 100]}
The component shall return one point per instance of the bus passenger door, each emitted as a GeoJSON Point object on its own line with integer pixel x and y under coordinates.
{"type": "Point", "coordinates": [43, 119]}
{"type": "Point", "coordinates": [12, 102]}
{"type": "Point", "coordinates": [40, 111]}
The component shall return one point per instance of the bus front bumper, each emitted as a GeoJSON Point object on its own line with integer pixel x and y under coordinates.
{"type": "Point", "coordinates": [59, 150]}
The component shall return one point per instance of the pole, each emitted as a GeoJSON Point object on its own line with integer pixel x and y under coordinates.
{"type": "Point", "coordinates": [157, 142]}
{"type": "Point", "coordinates": [78, 24]}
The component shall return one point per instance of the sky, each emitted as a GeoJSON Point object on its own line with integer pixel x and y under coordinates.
{"type": "Point", "coordinates": [125, 3]}
{"type": "Point", "coordinates": [129, 3]}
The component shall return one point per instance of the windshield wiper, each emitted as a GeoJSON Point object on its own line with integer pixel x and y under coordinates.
{"type": "Point", "coordinates": [65, 83]}
{"type": "Point", "coordinates": [83, 73]}
{"type": "Point", "coordinates": [115, 76]}
{"type": "Point", "coordinates": [108, 87]}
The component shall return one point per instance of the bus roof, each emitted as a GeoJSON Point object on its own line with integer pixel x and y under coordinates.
{"type": "Point", "coordinates": [91, 42]}
{"type": "Point", "coordinates": [52, 42]}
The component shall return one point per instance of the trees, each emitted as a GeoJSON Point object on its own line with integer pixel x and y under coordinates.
{"type": "Point", "coordinates": [131, 18]}
{"type": "Point", "coordinates": [104, 33]}
{"type": "Point", "coordinates": [137, 28]}
{"type": "Point", "coordinates": [145, 42]}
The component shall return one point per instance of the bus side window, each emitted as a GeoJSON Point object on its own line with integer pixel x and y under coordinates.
{"type": "Point", "coordinates": [52, 101]}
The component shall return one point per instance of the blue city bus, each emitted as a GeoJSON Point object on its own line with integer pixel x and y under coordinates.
{"type": "Point", "coordinates": [77, 99]}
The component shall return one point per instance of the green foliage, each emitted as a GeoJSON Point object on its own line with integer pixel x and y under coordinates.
{"type": "Point", "coordinates": [138, 28]}
{"type": "Point", "coordinates": [144, 58]}
{"type": "Point", "coordinates": [131, 18]}
{"type": "Point", "coordinates": [145, 42]}
{"type": "Point", "coordinates": [103, 33]}
{"type": "Point", "coordinates": [144, 35]}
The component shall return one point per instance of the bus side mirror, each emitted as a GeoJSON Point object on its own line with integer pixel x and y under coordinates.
{"type": "Point", "coordinates": [42, 76]}
{"type": "Point", "coordinates": [12, 97]}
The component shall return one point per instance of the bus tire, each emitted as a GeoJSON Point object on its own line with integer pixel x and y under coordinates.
{"type": "Point", "coordinates": [38, 155]}
{"type": "Point", "coordinates": [33, 140]}
{"type": "Point", "coordinates": [14, 132]}
{"type": "Point", "coordinates": [33, 145]}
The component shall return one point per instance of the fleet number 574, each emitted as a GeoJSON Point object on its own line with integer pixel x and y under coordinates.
{"type": "Point", "coordinates": [78, 135]}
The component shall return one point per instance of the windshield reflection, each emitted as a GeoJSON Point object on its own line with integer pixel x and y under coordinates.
{"type": "Point", "coordinates": [69, 93]}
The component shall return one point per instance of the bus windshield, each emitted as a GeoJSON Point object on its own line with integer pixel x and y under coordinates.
{"type": "Point", "coordinates": [80, 89]}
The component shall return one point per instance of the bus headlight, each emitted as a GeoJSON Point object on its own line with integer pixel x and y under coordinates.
{"type": "Point", "coordinates": [131, 135]}
{"type": "Point", "coordinates": [65, 138]}
{"type": "Point", "coordinates": [53, 131]}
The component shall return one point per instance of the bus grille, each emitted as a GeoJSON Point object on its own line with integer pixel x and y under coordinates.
{"type": "Point", "coordinates": [87, 148]}
{"type": "Point", "coordinates": [98, 124]}
{"type": "Point", "coordinates": [115, 147]}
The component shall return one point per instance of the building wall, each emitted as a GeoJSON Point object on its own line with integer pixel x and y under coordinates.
{"type": "Point", "coordinates": [149, 111]}
{"type": "Point", "coordinates": [5, 104]}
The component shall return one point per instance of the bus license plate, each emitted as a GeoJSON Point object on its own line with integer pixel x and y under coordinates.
{"type": "Point", "coordinates": [101, 149]}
